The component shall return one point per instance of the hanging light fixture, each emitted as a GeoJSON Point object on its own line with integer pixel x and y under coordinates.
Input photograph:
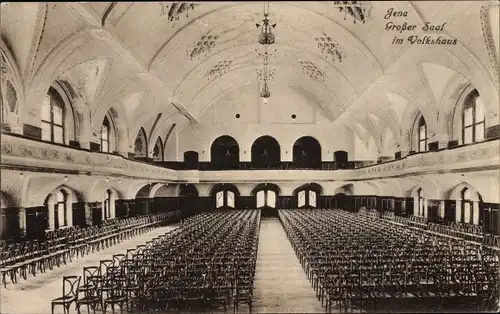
{"type": "Point", "coordinates": [265, 74]}
{"type": "Point", "coordinates": [266, 36]}
{"type": "Point", "coordinates": [358, 10]}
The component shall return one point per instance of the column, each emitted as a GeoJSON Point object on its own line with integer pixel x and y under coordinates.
{"type": "Point", "coordinates": [475, 212]}
{"type": "Point", "coordinates": [69, 213]}
{"type": "Point", "coordinates": [112, 206]}
{"type": "Point", "coordinates": [426, 209]}
{"type": "Point", "coordinates": [22, 221]}
{"type": "Point", "coordinates": [103, 210]}
{"type": "Point", "coordinates": [52, 216]}
{"type": "Point", "coordinates": [458, 210]}
{"type": "Point", "coordinates": [88, 214]}
{"type": "Point", "coordinates": [441, 209]}
{"type": "Point", "coordinates": [416, 206]}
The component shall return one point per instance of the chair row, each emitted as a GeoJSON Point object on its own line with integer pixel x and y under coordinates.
{"type": "Point", "coordinates": [208, 262]}
{"type": "Point", "coordinates": [361, 260]}
{"type": "Point", "coordinates": [61, 247]}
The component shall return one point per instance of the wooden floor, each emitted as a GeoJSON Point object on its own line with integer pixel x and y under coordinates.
{"type": "Point", "coordinates": [281, 285]}
{"type": "Point", "coordinates": [33, 296]}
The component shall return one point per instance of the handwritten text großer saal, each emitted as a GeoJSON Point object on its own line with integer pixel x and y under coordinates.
{"type": "Point", "coordinates": [415, 39]}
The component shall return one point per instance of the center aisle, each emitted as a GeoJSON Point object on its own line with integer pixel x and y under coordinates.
{"type": "Point", "coordinates": [280, 284]}
{"type": "Point", "coordinates": [38, 292]}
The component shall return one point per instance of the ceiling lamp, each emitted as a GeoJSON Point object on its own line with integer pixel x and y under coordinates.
{"type": "Point", "coordinates": [265, 74]}
{"type": "Point", "coordinates": [174, 10]}
{"type": "Point", "coordinates": [358, 10]}
{"type": "Point", "coordinates": [266, 36]}
{"type": "Point", "coordinates": [265, 93]}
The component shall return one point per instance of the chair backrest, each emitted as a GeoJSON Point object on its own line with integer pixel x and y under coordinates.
{"type": "Point", "coordinates": [104, 265]}
{"type": "Point", "coordinates": [70, 285]}
{"type": "Point", "coordinates": [90, 271]}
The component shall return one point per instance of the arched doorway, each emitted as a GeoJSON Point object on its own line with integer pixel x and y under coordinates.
{"type": "Point", "coordinates": [307, 153]}
{"type": "Point", "coordinates": [266, 152]}
{"type": "Point", "coordinates": [307, 195]}
{"type": "Point", "coordinates": [341, 159]}
{"type": "Point", "coordinates": [224, 196]}
{"type": "Point", "coordinates": [191, 160]}
{"type": "Point", "coordinates": [266, 199]}
{"type": "Point", "coordinates": [225, 153]}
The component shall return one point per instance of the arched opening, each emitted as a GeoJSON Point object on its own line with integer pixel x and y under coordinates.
{"type": "Point", "coordinates": [224, 196]}
{"type": "Point", "coordinates": [266, 198]}
{"type": "Point", "coordinates": [191, 160]}
{"type": "Point", "coordinates": [340, 158]}
{"type": "Point", "coordinates": [307, 195]}
{"type": "Point", "coordinates": [158, 150]}
{"type": "Point", "coordinates": [266, 152]}
{"type": "Point", "coordinates": [225, 153]}
{"type": "Point", "coordinates": [141, 145]}
{"type": "Point", "coordinates": [307, 153]}
{"type": "Point", "coordinates": [473, 119]}
{"type": "Point", "coordinates": [106, 132]}
{"type": "Point", "coordinates": [9, 227]}
{"type": "Point", "coordinates": [422, 135]}
{"type": "Point", "coordinates": [54, 113]}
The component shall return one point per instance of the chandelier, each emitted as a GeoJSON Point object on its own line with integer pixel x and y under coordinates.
{"type": "Point", "coordinates": [265, 74]}
{"type": "Point", "coordinates": [356, 9]}
{"type": "Point", "coordinates": [266, 36]}
{"type": "Point", "coordinates": [174, 10]}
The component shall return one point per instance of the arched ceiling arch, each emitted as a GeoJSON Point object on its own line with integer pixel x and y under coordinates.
{"type": "Point", "coordinates": [136, 48]}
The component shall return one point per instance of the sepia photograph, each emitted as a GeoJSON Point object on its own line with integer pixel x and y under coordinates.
{"type": "Point", "coordinates": [250, 157]}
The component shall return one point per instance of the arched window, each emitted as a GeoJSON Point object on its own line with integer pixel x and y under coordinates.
{"type": "Point", "coordinates": [473, 119]}
{"type": "Point", "coordinates": [107, 205]}
{"type": "Point", "coordinates": [105, 130]}
{"type": "Point", "coordinates": [158, 150]}
{"type": "Point", "coordinates": [422, 135]}
{"type": "Point", "coordinates": [141, 144]}
{"type": "Point", "coordinates": [421, 202]}
{"type": "Point", "coordinates": [466, 206]}
{"type": "Point", "coordinates": [60, 210]}
{"type": "Point", "coordinates": [53, 117]}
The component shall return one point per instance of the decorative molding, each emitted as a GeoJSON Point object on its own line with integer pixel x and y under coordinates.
{"type": "Point", "coordinates": [41, 19]}
{"type": "Point", "coordinates": [489, 41]}
{"type": "Point", "coordinates": [312, 70]}
{"type": "Point", "coordinates": [219, 69]}
{"type": "Point", "coordinates": [202, 46]}
{"type": "Point", "coordinates": [329, 48]}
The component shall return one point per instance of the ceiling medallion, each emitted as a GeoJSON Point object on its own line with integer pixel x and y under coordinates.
{"type": "Point", "coordinates": [312, 70]}
{"type": "Point", "coordinates": [359, 10]}
{"type": "Point", "coordinates": [202, 46]}
{"type": "Point", "coordinates": [174, 10]}
{"type": "Point", "coordinates": [266, 36]}
{"type": "Point", "coordinates": [330, 48]}
{"type": "Point", "coordinates": [219, 69]}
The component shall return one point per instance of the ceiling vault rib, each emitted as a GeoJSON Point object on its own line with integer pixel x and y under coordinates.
{"type": "Point", "coordinates": [109, 36]}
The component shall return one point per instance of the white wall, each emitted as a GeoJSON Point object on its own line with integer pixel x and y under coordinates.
{"type": "Point", "coordinates": [199, 137]}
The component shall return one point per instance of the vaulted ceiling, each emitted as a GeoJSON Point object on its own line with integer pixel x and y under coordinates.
{"type": "Point", "coordinates": [151, 58]}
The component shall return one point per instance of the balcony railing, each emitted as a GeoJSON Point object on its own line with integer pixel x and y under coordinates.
{"type": "Point", "coordinates": [248, 165]}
